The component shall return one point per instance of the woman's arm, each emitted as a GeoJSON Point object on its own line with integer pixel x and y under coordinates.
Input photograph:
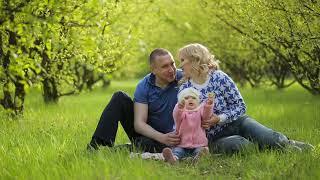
{"type": "Point", "coordinates": [235, 106]}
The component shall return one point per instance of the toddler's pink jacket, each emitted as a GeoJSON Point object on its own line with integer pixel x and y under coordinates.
{"type": "Point", "coordinates": [188, 125]}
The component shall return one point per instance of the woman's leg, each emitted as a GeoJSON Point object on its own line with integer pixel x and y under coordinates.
{"type": "Point", "coordinates": [239, 134]}
{"type": "Point", "coordinates": [229, 144]}
{"type": "Point", "coordinates": [266, 137]}
{"type": "Point", "coordinates": [227, 140]}
{"type": "Point", "coordinates": [263, 136]}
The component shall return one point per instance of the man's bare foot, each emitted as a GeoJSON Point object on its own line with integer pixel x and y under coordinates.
{"type": "Point", "coordinates": [168, 156]}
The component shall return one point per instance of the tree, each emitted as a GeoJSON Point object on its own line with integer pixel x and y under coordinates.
{"type": "Point", "coordinates": [41, 41]}
{"type": "Point", "coordinates": [17, 69]}
{"type": "Point", "coordinates": [289, 29]}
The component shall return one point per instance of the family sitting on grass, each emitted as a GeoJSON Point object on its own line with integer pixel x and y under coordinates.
{"type": "Point", "coordinates": [189, 113]}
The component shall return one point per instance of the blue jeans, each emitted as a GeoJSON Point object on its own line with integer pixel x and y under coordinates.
{"type": "Point", "coordinates": [243, 133]}
{"type": "Point", "coordinates": [185, 152]}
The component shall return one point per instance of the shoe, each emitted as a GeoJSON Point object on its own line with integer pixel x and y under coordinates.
{"type": "Point", "coordinates": [96, 143]}
{"type": "Point", "coordinates": [292, 148]}
{"type": "Point", "coordinates": [168, 156]}
{"type": "Point", "coordinates": [303, 146]}
{"type": "Point", "coordinates": [92, 147]}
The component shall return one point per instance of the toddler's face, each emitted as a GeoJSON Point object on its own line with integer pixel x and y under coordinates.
{"type": "Point", "coordinates": [191, 102]}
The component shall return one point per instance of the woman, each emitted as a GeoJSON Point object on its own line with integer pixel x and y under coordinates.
{"type": "Point", "coordinates": [234, 129]}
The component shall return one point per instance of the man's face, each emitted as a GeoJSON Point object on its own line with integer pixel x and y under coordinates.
{"type": "Point", "coordinates": [164, 68]}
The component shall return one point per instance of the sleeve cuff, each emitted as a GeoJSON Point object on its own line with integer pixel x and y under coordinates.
{"type": "Point", "coordinates": [223, 118]}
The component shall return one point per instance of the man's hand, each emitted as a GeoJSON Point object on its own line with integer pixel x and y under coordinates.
{"type": "Point", "coordinates": [206, 124]}
{"type": "Point", "coordinates": [170, 139]}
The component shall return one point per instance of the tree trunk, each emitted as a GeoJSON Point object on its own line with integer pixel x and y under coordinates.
{"type": "Point", "coordinates": [49, 85]}
{"type": "Point", "coordinates": [9, 102]}
{"type": "Point", "coordinates": [19, 96]}
{"type": "Point", "coordinates": [50, 91]}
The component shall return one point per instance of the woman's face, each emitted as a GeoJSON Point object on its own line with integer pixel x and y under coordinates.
{"type": "Point", "coordinates": [186, 66]}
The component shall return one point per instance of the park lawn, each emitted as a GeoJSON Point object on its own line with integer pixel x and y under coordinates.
{"type": "Point", "coordinates": [49, 142]}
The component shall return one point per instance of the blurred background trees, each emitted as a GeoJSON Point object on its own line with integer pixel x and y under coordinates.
{"type": "Point", "coordinates": [67, 46]}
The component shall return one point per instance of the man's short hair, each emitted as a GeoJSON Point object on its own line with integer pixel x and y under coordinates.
{"type": "Point", "coordinates": [157, 52]}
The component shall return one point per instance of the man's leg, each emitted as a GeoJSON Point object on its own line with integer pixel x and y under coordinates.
{"type": "Point", "coordinates": [120, 108]}
{"type": "Point", "coordinates": [148, 145]}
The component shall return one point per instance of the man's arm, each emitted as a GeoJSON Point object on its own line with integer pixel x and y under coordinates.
{"type": "Point", "coordinates": [141, 126]}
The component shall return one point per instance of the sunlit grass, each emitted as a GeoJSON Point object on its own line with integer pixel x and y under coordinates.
{"type": "Point", "coordinates": [49, 142]}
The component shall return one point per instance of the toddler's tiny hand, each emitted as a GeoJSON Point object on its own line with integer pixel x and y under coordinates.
{"type": "Point", "coordinates": [210, 98]}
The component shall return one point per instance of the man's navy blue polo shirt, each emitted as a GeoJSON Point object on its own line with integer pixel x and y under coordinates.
{"type": "Point", "coordinates": [160, 101]}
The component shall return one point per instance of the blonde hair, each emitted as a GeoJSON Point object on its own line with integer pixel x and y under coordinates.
{"type": "Point", "coordinates": [201, 59]}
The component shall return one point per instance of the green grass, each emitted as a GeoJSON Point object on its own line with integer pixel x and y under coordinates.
{"type": "Point", "coordinates": [49, 141]}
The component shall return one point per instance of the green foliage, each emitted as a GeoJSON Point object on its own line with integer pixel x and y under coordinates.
{"type": "Point", "coordinates": [42, 41]}
{"type": "Point", "coordinates": [289, 30]}
{"type": "Point", "coordinates": [53, 43]}
{"type": "Point", "coordinates": [256, 41]}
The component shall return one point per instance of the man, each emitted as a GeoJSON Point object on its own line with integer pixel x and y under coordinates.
{"type": "Point", "coordinates": [147, 120]}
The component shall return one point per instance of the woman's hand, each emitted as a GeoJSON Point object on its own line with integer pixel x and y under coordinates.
{"type": "Point", "coordinates": [206, 124]}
